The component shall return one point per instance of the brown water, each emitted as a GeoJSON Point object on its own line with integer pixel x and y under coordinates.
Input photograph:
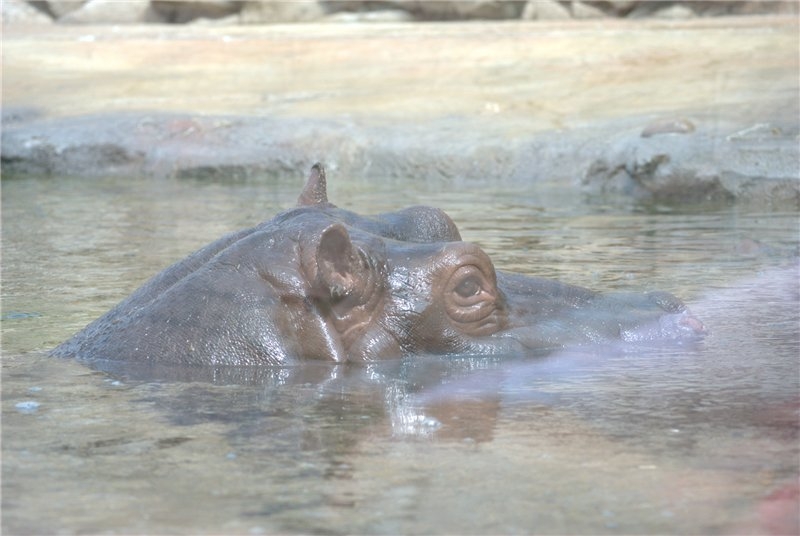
{"type": "Point", "coordinates": [605, 440]}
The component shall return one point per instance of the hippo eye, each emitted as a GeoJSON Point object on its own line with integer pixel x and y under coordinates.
{"type": "Point", "coordinates": [471, 300]}
{"type": "Point", "coordinates": [468, 287]}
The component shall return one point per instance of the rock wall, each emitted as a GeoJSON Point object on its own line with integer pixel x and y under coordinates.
{"type": "Point", "coordinates": [282, 11]}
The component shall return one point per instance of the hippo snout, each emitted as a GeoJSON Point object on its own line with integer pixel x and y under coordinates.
{"type": "Point", "coordinates": [679, 322]}
{"type": "Point", "coordinates": [691, 325]}
{"type": "Point", "coordinates": [677, 327]}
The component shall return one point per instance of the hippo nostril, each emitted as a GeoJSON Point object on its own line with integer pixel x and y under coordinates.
{"type": "Point", "coordinates": [683, 326]}
{"type": "Point", "coordinates": [692, 324]}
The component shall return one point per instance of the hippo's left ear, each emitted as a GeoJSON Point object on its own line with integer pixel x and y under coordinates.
{"type": "Point", "coordinates": [340, 270]}
{"type": "Point", "coordinates": [316, 189]}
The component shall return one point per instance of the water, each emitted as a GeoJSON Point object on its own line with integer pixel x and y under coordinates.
{"type": "Point", "coordinates": [700, 439]}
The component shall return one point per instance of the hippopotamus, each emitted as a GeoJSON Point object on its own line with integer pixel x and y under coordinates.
{"type": "Point", "coordinates": [318, 282]}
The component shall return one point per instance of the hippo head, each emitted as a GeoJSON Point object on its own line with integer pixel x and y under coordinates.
{"type": "Point", "coordinates": [319, 282]}
{"type": "Point", "coordinates": [387, 298]}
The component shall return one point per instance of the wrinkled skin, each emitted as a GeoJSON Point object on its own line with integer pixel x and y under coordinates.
{"type": "Point", "coordinates": [318, 282]}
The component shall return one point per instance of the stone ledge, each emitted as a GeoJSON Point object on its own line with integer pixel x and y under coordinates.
{"type": "Point", "coordinates": [730, 163]}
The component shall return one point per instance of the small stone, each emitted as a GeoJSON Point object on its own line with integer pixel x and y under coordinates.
{"type": "Point", "coordinates": [461, 9]}
{"type": "Point", "coordinates": [675, 12]}
{"type": "Point", "coordinates": [621, 7]}
{"type": "Point", "coordinates": [59, 8]}
{"type": "Point", "coordinates": [545, 10]}
{"type": "Point", "coordinates": [19, 12]}
{"type": "Point", "coordinates": [112, 12]}
{"type": "Point", "coordinates": [668, 126]}
{"type": "Point", "coordinates": [260, 12]}
{"type": "Point", "coordinates": [585, 11]}
{"type": "Point", "coordinates": [182, 12]}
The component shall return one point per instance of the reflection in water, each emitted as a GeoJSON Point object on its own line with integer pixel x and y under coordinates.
{"type": "Point", "coordinates": [626, 390]}
{"type": "Point", "coordinates": [434, 395]}
{"type": "Point", "coordinates": [638, 439]}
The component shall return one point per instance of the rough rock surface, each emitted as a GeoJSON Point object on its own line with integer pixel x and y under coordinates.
{"type": "Point", "coordinates": [756, 163]}
{"type": "Point", "coordinates": [672, 161]}
{"type": "Point", "coordinates": [281, 11]}
{"type": "Point", "coordinates": [677, 111]}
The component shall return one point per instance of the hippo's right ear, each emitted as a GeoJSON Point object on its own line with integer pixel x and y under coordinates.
{"type": "Point", "coordinates": [316, 189]}
{"type": "Point", "coordinates": [340, 272]}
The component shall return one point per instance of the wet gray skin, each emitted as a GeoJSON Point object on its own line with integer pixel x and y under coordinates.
{"type": "Point", "coordinates": [321, 283]}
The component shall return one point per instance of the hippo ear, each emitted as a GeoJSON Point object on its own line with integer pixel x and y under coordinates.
{"type": "Point", "coordinates": [339, 266]}
{"type": "Point", "coordinates": [316, 189]}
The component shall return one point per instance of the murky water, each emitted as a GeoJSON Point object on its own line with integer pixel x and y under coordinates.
{"type": "Point", "coordinates": [607, 440]}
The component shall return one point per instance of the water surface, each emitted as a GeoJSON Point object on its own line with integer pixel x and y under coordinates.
{"type": "Point", "coordinates": [687, 439]}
